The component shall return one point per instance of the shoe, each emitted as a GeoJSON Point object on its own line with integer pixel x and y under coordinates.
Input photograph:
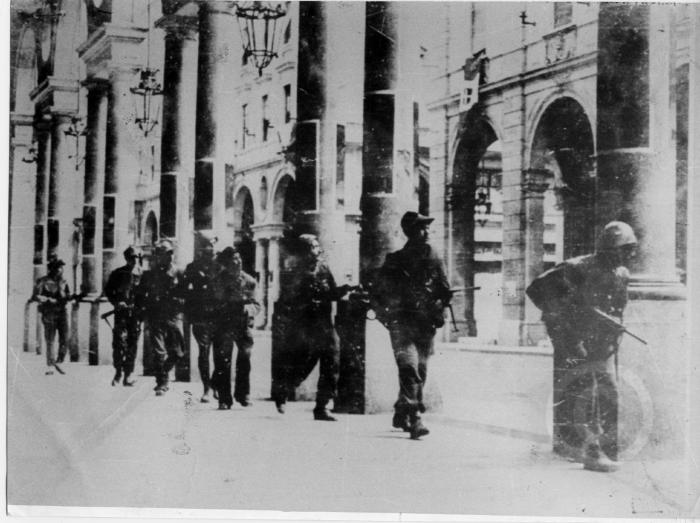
{"type": "Point", "coordinates": [597, 461]}
{"type": "Point", "coordinates": [60, 359]}
{"type": "Point", "coordinates": [401, 421]}
{"type": "Point", "coordinates": [205, 397]}
{"type": "Point", "coordinates": [418, 430]}
{"type": "Point", "coordinates": [225, 406]}
{"type": "Point", "coordinates": [116, 379]}
{"type": "Point", "coordinates": [49, 372]}
{"type": "Point", "coordinates": [322, 415]}
{"type": "Point", "coordinates": [127, 382]}
{"type": "Point", "coordinates": [161, 390]}
{"type": "Point", "coordinates": [280, 407]}
{"type": "Point", "coordinates": [245, 402]}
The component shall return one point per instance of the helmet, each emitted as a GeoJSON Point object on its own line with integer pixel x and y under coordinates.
{"type": "Point", "coordinates": [411, 220]}
{"type": "Point", "coordinates": [164, 246]}
{"type": "Point", "coordinates": [616, 234]}
{"type": "Point", "coordinates": [204, 238]}
{"type": "Point", "coordinates": [226, 255]}
{"type": "Point", "coordinates": [132, 252]}
{"type": "Point", "coordinates": [55, 263]}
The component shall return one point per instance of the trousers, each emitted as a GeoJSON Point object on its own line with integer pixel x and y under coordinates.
{"type": "Point", "coordinates": [203, 333]}
{"type": "Point", "coordinates": [55, 323]}
{"type": "Point", "coordinates": [223, 341]}
{"type": "Point", "coordinates": [168, 344]}
{"type": "Point", "coordinates": [125, 337]}
{"type": "Point", "coordinates": [412, 347]}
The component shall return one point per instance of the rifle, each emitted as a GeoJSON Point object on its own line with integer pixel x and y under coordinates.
{"type": "Point", "coordinates": [449, 305]}
{"type": "Point", "coordinates": [615, 323]}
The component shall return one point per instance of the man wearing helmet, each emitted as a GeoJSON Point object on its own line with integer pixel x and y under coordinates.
{"type": "Point", "coordinates": [159, 297]}
{"type": "Point", "coordinates": [585, 388]}
{"type": "Point", "coordinates": [121, 293]}
{"type": "Point", "coordinates": [200, 304]}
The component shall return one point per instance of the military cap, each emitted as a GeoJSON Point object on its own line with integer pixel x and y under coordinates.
{"type": "Point", "coordinates": [411, 220]}
{"type": "Point", "coordinates": [55, 263]}
{"type": "Point", "coordinates": [616, 234]}
{"type": "Point", "coordinates": [226, 255]}
{"type": "Point", "coordinates": [164, 246]}
{"type": "Point", "coordinates": [205, 238]}
{"type": "Point", "coordinates": [132, 252]}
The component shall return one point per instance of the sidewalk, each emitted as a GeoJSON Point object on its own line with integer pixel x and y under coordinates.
{"type": "Point", "coordinates": [75, 440]}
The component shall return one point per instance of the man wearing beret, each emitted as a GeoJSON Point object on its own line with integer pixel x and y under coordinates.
{"type": "Point", "coordinates": [200, 306]}
{"type": "Point", "coordinates": [413, 291]}
{"type": "Point", "coordinates": [52, 293]}
{"type": "Point", "coordinates": [121, 293]}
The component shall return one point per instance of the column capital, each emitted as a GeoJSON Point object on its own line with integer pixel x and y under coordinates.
{"type": "Point", "coordinates": [218, 7]}
{"type": "Point", "coordinates": [535, 181]}
{"type": "Point", "coordinates": [268, 231]}
{"type": "Point", "coordinates": [179, 27]}
{"type": "Point", "coordinates": [96, 84]}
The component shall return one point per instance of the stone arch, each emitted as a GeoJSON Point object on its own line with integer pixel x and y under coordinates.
{"type": "Point", "coordinates": [150, 230]}
{"type": "Point", "coordinates": [243, 220]}
{"type": "Point", "coordinates": [283, 198]}
{"type": "Point", "coordinates": [562, 142]}
{"type": "Point", "coordinates": [25, 72]}
{"type": "Point", "coordinates": [472, 176]}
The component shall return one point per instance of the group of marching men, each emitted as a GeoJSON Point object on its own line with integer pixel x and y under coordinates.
{"type": "Point", "coordinates": [582, 300]}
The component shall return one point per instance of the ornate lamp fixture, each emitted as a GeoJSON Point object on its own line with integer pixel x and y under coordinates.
{"type": "Point", "coordinates": [258, 24]}
{"type": "Point", "coordinates": [77, 129]}
{"type": "Point", "coordinates": [147, 88]}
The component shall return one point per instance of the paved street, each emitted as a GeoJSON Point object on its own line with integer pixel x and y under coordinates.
{"type": "Point", "coordinates": [75, 440]}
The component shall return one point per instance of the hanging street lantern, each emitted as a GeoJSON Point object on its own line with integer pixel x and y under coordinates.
{"type": "Point", "coordinates": [76, 129]}
{"type": "Point", "coordinates": [147, 88]}
{"type": "Point", "coordinates": [258, 24]}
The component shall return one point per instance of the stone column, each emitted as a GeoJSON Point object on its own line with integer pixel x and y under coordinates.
{"type": "Point", "coordinates": [61, 193]}
{"type": "Point", "coordinates": [533, 189]}
{"type": "Point", "coordinates": [95, 150]}
{"type": "Point", "coordinates": [274, 271]}
{"type": "Point", "coordinates": [120, 172]}
{"type": "Point", "coordinates": [261, 269]}
{"type": "Point", "coordinates": [43, 165]}
{"type": "Point", "coordinates": [216, 25]}
{"type": "Point", "coordinates": [95, 144]}
{"type": "Point", "coordinates": [178, 138]}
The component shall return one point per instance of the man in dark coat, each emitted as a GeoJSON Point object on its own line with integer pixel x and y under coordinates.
{"type": "Point", "coordinates": [236, 306]}
{"type": "Point", "coordinates": [121, 293]}
{"type": "Point", "coordinates": [52, 293]}
{"type": "Point", "coordinates": [200, 306]}
{"type": "Point", "coordinates": [160, 300]}
{"type": "Point", "coordinates": [305, 304]}
{"type": "Point", "coordinates": [412, 292]}
{"type": "Point", "coordinates": [585, 345]}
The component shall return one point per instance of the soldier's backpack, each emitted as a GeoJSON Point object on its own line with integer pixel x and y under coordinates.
{"type": "Point", "coordinates": [551, 290]}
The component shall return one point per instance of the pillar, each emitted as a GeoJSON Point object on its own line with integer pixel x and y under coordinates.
{"type": "Point", "coordinates": [217, 24]}
{"type": "Point", "coordinates": [93, 190]}
{"type": "Point", "coordinates": [120, 172]}
{"type": "Point", "coordinates": [43, 138]}
{"type": "Point", "coordinates": [274, 264]}
{"type": "Point", "coordinates": [61, 193]}
{"type": "Point", "coordinates": [261, 270]}
{"type": "Point", "coordinates": [178, 138]}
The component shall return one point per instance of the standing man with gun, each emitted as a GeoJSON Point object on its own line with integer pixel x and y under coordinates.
{"type": "Point", "coordinates": [121, 293]}
{"type": "Point", "coordinates": [52, 293]}
{"type": "Point", "coordinates": [409, 298]}
{"type": "Point", "coordinates": [583, 300]}
{"type": "Point", "coordinates": [159, 297]}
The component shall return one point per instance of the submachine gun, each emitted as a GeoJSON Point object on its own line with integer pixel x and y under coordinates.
{"type": "Point", "coordinates": [616, 324]}
{"type": "Point", "coordinates": [454, 291]}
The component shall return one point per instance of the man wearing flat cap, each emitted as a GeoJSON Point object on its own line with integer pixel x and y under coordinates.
{"type": "Point", "coordinates": [121, 293]}
{"type": "Point", "coordinates": [159, 297]}
{"type": "Point", "coordinates": [411, 292]}
{"type": "Point", "coordinates": [236, 306]}
{"type": "Point", "coordinates": [52, 293]}
{"type": "Point", "coordinates": [200, 306]}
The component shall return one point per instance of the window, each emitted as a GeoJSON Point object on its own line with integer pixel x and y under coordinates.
{"type": "Point", "coordinates": [265, 120]}
{"type": "Point", "coordinates": [287, 103]}
{"type": "Point", "coordinates": [562, 13]}
{"type": "Point", "coordinates": [244, 120]}
{"type": "Point", "coordinates": [288, 32]}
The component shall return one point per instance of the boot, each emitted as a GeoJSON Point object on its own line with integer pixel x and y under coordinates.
{"type": "Point", "coordinates": [205, 396]}
{"type": "Point", "coordinates": [401, 421]}
{"type": "Point", "coordinates": [127, 382]}
{"type": "Point", "coordinates": [280, 406]}
{"type": "Point", "coordinates": [117, 378]}
{"type": "Point", "coordinates": [244, 401]}
{"type": "Point", "coordinates": [417, 428]}
{"type": "Point", "coordinates": [597, 461]}
{"type": "Point", "coordinates": [323, 415]}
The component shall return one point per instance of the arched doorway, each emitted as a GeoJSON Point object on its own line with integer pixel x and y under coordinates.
{"type": "Point", "coordinates": [474, 199]}
{"type": "Point", "coordinates": [243, 219]}
{"type": "Point", "coordinates": [149, 236]}
{"type": "Point", "coordinates": [563, 145]}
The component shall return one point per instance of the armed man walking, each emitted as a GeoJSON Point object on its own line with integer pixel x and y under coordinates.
{"type": "Point", "coordinates": [52, 293]}
{"type": "Point", "coordinates": [200, 307]}
{"type": "Point", "coordinates": [410, 296]}
{"type": "Point", "coordinates": [159, 297]}
{"type": "Point", "coordinates": [578, 298]}
{"type": "Point", "coordinates": [121, 293]}
{"type": "Point", "coordinates": [236, 306]}
{"type": "Point", "coordinates": [306, 301]}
